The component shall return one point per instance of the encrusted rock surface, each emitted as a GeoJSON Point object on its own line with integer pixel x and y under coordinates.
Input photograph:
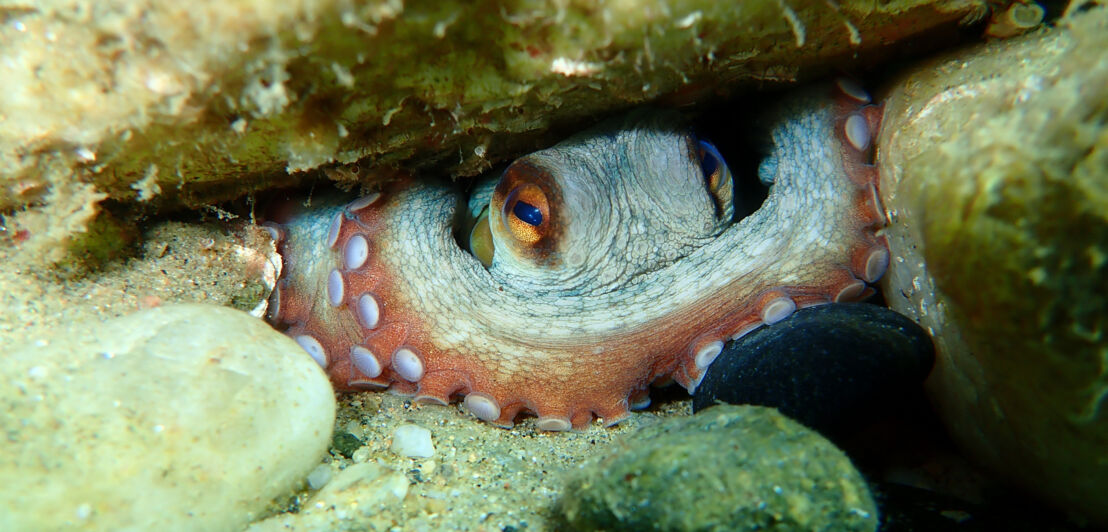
{"type": "Point", "coordinates": [726, 468]}
{"type": "Point", "coordinates": [199, 100]}
{"type": "Point", "coordinates": [184, 417]}
{"type": "Point", "coordinates": [994, 167]}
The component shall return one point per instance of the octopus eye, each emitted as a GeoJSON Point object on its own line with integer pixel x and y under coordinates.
{"type": "Point", "coordinates": [712, 165]}
{"type": "Point", "coordinates": [717, 177]}
{"type": "Point", "coordinates": [525, 213]}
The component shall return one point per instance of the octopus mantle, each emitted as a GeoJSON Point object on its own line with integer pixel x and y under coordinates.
{"type": "Point", "coordinates": [616, 265]}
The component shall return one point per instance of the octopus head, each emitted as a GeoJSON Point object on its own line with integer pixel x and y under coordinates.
{"type": "Point", "coordinates": [596, 210]}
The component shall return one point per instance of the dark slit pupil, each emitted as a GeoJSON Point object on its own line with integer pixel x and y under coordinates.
{"type": "Point", "coordinates": [527, 213]}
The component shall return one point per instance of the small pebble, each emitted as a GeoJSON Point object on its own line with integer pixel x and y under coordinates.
{"type": "Point", "coordinates": [361, 455]}
{"type": "Point", "coordinates": [319, 476]}
{"type": "Point", "coordinates": [345, 443]}
{"type": "Point", "coordinates": [412, 441]}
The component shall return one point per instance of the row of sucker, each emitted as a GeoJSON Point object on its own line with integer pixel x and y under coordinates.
{"type": "Point", "coordinates": [857, 120]}
{"type": "Point", "coordinates": [354, 254]}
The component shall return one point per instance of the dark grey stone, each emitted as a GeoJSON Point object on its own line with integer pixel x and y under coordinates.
{"type": "Point", "coordinates": [831, 367]}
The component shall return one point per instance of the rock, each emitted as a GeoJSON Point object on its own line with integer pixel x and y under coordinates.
{"type": "Point", "coordinates": [345, 443]}
{"type": "Point", "coordinates": [412, 441]}
{"type": "Point", "coordinates": [830, 367]}
{"type": "Point", "coordinates": [449, 85]}
{"type": "Point", "coordinates": [366, 494]}
{"type": "Point", "coordinates": [386, 484]}
{"type": "Point", "coordinates": [727, 468]}
{"type": "Point", "coordinates": [319, 476]}
{"type": "Point", "coordinates": [994, 165]}
{"type": "Point", "coordinates": [185, 417]}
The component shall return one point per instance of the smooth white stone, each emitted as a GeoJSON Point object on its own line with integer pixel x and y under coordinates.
{"type": "Point", "coordinates": [356, 494]}
{"type": "Point", "coordinates": [412, 441]}
{"type": "Point", "coordinates": [319, 476]}
{"type": "Point", "coordinates": [183, 417]}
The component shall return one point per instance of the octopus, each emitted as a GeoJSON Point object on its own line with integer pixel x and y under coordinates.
{"type": "Point", "coordinates": [586, 272]}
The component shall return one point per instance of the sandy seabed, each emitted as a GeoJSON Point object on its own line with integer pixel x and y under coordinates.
{"type": "Point", "coordinates": [480, 478]}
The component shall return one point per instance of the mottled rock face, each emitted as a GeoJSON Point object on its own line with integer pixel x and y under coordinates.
{"type": "Point", "coordinates": [727, 468]}
{"type": "Point", "coordinates": [170, 105]}
{"type": "Point", "coordinates": [994, 163]}
{"type": "Point", "coordinates": [188, 417]}
{"type": "Point", "coordinates": [177, 104]}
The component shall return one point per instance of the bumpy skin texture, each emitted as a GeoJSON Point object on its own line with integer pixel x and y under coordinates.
{"type": "Point", "coordinates": [636, 273]}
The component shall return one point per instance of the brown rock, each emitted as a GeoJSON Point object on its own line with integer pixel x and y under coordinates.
{"type": "Point", "coordinates": [187, 103]}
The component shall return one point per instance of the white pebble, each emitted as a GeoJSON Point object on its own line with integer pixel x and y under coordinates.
{"type": "Point", "coordinates": [319, 476]}
{"type": "Point", "coordinates": [361, 455]}
{"type": "Point", "coordinates": [412, 441]}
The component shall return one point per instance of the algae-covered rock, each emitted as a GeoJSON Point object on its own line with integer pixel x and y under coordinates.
{"type": "Point", "coordinates": [185, 417]}
{"type": "Point", "coordinates": [994, 165]}
{"type": "Point", "coordinates": [728, 468]}
{"type": "Point", "coordinates": [190, 102]}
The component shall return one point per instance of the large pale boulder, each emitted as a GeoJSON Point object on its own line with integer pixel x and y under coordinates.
{"type": "Point", "coordinates": [186, 417]}
{"type": "Point", "coordinates": [994, 165]}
